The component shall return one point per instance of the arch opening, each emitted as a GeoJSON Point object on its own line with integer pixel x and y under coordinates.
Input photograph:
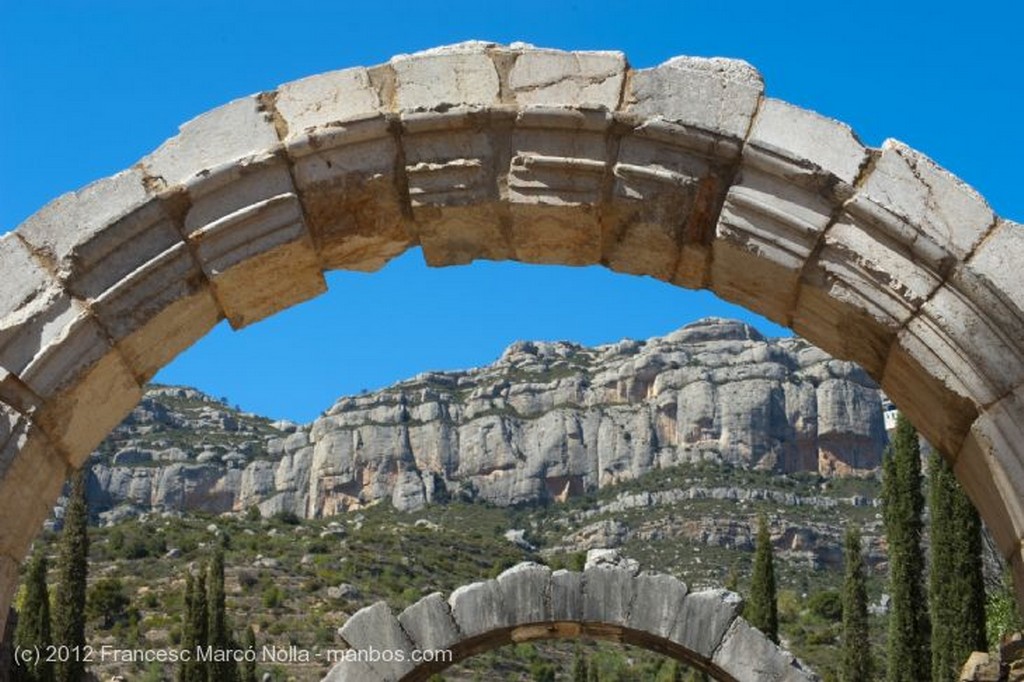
{"type": "Point", "coordinates": [684, 172]}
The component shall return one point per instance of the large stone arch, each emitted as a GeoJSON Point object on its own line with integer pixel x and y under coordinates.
{"type": "Point", "coordinates": [685, 172]}
{"type": "Point", "coordinates": [530, 602]}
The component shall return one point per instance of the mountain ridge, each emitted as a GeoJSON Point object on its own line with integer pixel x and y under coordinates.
{"type": "Point", "coordinates": [546, 421]}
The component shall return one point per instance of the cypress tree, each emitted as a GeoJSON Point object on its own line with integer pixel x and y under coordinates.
{"type": "Point", "coordinates": [956, 584]}
{"type": "Point", "coordinates": [762, 609]}
{"type": "Point", "coordinates": [249, 666]}
{"type": "Point", "coordinates": [907, 657]}
{"type": "Point", "coordinates": [72, 574]}
{"type": "Point", "coordinates": [219, 633]}
{"type": "Point", "coordinates": [200, 626]}
{"type": "Point", "coordinates": [857, 664]}
{"type": "Point", "coordinates": [34, 624]}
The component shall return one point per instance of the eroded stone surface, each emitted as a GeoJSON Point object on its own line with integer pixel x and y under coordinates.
{"type": "Point", "coordinates": [756, 659]}
{"type": "Point", "coordinates": [374, 627]}
{"type": "Point", "coordinates": [429, 623]}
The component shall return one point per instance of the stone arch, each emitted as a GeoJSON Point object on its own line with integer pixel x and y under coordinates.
{"type": "Point", "coordinates": [531, 602]}
{"type": "Point", "coordinates": [685, 172]}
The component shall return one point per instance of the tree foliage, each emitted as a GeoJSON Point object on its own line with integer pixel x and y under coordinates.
{"type": "Point", "coordinates": [762, 608]}
{"type": "Point", "coordinates": [857, 664]}
{"type": "Point", "coordinates": [956, 582]}
{"type": "Point", "coordinates": [33, 628]}
{"type": "Point", "coordinates": [907, 656]}
{"type": "Point", "coordinates": [219, 635]}
{"type": "Point", "coordinates": [72, 575]}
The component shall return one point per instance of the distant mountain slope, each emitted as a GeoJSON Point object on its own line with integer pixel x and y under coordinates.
{"type": "Point", "coordinates": [545, 422]}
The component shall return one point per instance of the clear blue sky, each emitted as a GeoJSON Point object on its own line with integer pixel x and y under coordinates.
{"type": "Point", "coordinates": [86, 88]}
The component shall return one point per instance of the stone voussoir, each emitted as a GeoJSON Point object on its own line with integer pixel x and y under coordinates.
{"type": "Point", "coordinates": [752, 657]}
{"type": "Point", "coordinates": [479, 608]}
{"type": "Point", "coordinates": [656, 604]}
{"type": "Point", "coordinates": [374, 629]}
{"type": "Point", "coordinates": [525, 592]}
{"type": "Point", "coordinates": [607, 595]}
{"type": "Point", "coordinates": [429, 623]}
{"type": "Point", "coordinates": [703, 620]}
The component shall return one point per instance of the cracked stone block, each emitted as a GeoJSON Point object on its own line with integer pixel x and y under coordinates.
{"type": "Point", "coordinates": [326, 100]}
{"type": "Point", "coordinates": [32, 474]}
{"type": "Point", "coordinates": [429, 623]}
{"type": "Point", "coordinates": [935, 213]}
{"type": "Point", "coordinates": [566, 596]}
{"type": "Point", "coordinates": [752, 657]}
{"type": "Point", "coordinates": [656, 604]}
{"type": "Point", "coordinates": [524, 589]}
{"type": "Point", "coordinates": [373, 629]}
{"type": "Point", "coordinates": [478, 608]}
{"type": "Point", "coordinates": [797, 170]}
{"type": "Point", "coordinates": [346, 180]}
{"type": "Point", "coordinates": [718, 95]}
{"type": "Point", "coordinates": [246, 226]}
{"type": "Point", "coordinates": [238, 130]}
{"type": "Point", "coordinates": [703, 620]}
{"type": "Point", "coordinates": [607, 595]}
{"type": "Point", "coordinates": [990, 466]}
{"type": "Point", "coordinates": [568, 79]}
{"type": "Point", "coordinates": [445, 77]}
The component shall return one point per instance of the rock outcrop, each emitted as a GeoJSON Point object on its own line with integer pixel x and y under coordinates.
{"type": "Point", "coordinates": [546, 421]}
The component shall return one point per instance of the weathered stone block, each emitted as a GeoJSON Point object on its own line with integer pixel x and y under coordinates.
{"type": "Point", "coordinates": [445, 77]}
{"type": "Point", "coordinates": [374, 627]}
{"type": "Point", "coordinates": [238, 130]}
{"type": "Point", "coordinates": [703, 620]}
{"type": "Point", "coordinates": [927, 208]}
{"type": "Point", "coordinates": [752, 657]}
{"type": "Point", "coordinates": [429, 623]}
{"type": "Point", "coordinates": [566, 596]}
{"type": "Point", "coordinates": [479, 608]}
{"type": "Point", "coordinates": [32, 474]}
{"type": "Point", "coordinates": [346, 178]}
{"type": "Point", "coordinates": [555, 184]}
{"type": "Point", "coordinates": [936, 402]}
{"type": "Point", "coordinates": [246, 225]}
{"type": "Point", "coordinates": [524, 589]}
{"type": "Point", "coordinates": [607, 595]}
{"type": "Point", "coordinates": [989, 465]}
{"type": "Point", "coordinates": [89, 406]}
{"type": "Point", "coordinates": [719, 95]}
{"type": "Point", "coordinates": [806, 143]}
{"type": "Point", "coordinates": [568, 79]}
{"type": "Point", "coordinates": [450, 169]}
{"type": "Point", "coordinates": [326, 100]}
{"type": "Point", "coordinates": [995, 265]}
{"type": "Point", "coordinates": [169, 332]}
{"type": "Point", "coordinates": [656, 604]}
{"type": "Point", "coordinates": [666, 185]}
{"type": "Point", "coordinates": [798, 168]}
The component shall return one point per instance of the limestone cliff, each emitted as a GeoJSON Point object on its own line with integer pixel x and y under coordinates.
{"type": "Point", "coordinates": [544, 422]}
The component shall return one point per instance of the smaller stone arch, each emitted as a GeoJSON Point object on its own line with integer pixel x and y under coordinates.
{"type": "Point", "coordinates": [530, 602]}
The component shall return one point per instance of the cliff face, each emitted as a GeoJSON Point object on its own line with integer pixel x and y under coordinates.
{"type": "Point", "coordinates": [544, 422]}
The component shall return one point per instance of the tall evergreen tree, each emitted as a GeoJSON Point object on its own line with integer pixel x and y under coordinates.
{"type": "Point", "coordinates": [907, 657]}
{"type": "Point", "coordinates": [219, 632]}
{"type": "Point", "coordinates": [34, 624]}
{"type": "Point", "coordinates": [579, 665]}
{"type": "Point", "coordinates": [857, 664]}
{"type": "Point", "coordinates": [72, 574]}
{"type": "Point", "coordinates": [762, 607]}
{"type": "Point", "coordinates": [956, 584]}
{"type": "Point", "coordinates": [195, 629]}
{"type": "Point", "coordinates": [249, 666]}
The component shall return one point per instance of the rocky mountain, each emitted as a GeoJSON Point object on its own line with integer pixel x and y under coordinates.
{"type": "Point", "coordinates": [546, 421]}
